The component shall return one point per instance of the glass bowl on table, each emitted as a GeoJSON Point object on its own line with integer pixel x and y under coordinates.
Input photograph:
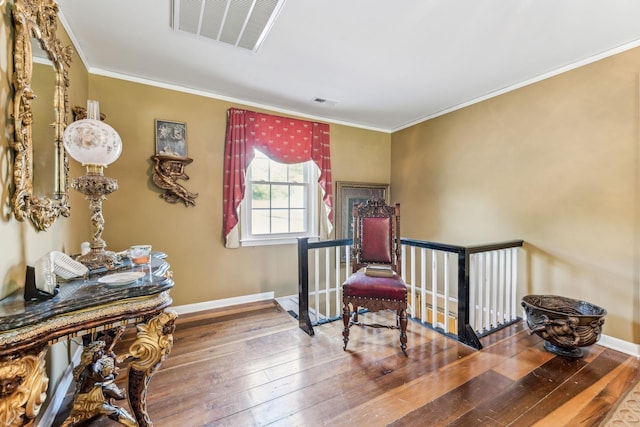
{"type": "Point", "coordinates": [140, 255]}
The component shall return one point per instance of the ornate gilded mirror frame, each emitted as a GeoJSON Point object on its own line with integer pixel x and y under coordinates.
{"type": "Point", "coordinates": [38, 19]}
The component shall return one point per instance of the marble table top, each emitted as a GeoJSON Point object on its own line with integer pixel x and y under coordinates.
{"type": "Point", "coordinates": [85, 293]}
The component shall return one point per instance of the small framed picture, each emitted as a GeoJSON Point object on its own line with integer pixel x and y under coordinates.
{"type": "Point", "coordinates": [349, 195]}
{"type": "Point", "coordinates": [171, 138]}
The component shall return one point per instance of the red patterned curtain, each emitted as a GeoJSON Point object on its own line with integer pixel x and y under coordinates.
{"type": "Point", "coordinates": [284, 140]}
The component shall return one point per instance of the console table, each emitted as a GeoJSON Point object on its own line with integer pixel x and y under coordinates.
{"type": "Point", "coordinates": [99, 312]}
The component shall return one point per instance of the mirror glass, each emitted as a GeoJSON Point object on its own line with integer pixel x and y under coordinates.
{"type": "Point", "coordinates": [40, 114]}
{"type": "Point", "coordinates": [43, 83]}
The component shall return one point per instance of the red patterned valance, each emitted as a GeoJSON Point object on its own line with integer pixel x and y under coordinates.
{"type": "Point", "coordinates": [284, 140]}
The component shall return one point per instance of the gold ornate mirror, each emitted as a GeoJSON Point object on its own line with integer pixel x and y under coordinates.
{"type": "Point", "coordinates": [40, 111]}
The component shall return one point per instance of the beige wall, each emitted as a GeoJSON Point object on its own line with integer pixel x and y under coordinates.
{"type": "Point", "coordinates": [192, 237]}
{"type": "Point", "coordinates": [556, 164]}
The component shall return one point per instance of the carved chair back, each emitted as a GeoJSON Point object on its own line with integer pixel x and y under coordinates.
{"type": "Point", "coordinates": [376, 235]}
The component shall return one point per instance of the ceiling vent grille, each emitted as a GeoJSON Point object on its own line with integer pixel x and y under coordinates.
{"type": "Point", "coordinates": [241, 23]}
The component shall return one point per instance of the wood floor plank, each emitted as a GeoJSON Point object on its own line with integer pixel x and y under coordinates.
{"type": "Point", "coordinates": [413, 395]}
{"type": "Point", "coordinates": [453, 404]}
{"type": "Point", "coordinates": [209, 314]}
{"type": "Point", "coordinates": [253, 366]}
{"type": "Point", "coordinates": [582, 402]}
{"type": "Point", "coordinates": [590, 373]}
{"type": "Point", "coordinates": [312, 354]}
{"type": "Point", "coordinates": [230, 330]}
{"type": "Point", "coordinates": [508, 405]}
{"type": "Point", "coordinates": [598, 409]}
{"type": "Point", "coordinates": [503, 334]}
{"type": "Point", "coordinates": [516, 368]}
{"type": "Point", "coordinates": [233, 397]}
{"type": "Point", "coordinates": [429, 360]}
{"type": "Point", "coordinates": [368, 375]}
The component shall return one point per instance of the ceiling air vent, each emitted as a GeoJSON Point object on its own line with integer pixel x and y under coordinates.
{"type": "Point", "coordinates": [324, 101]}
{"type": "Point", "coordinates": [241, 23]}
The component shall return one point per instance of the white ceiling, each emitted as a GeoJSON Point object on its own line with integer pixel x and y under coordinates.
{"type": "Point", "coordinates": [385, 64]}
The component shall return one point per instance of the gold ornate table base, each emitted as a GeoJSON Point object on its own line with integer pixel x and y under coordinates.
{"type": "Point", "coordinates": [23, 379]}
{"type": "Point", "coordinates": [23, 388]}
{"type": "Point", "coordinates": [95, 376]}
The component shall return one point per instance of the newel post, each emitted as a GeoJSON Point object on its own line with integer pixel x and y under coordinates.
{"type": "Point", "coordinates": [304, 322]}
{"type": "Point", "coordinates": [466, 334]}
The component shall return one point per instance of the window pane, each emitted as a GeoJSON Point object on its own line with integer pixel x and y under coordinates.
{"type": "Point", "coordinates": [260, 169]}
{"type": "Point", "coordinates": [279, 200]}
{"type": "Point", "coordinates": [297, 221]}
{"type": "Point", "coordinates": [280, 196]}
{"type": "Point", "coordinates": [278, 172]}
{"type": "Point", "coordinates": [260, 221]}
{"type": "Point", "coordinates": [297, 196]}
{"type": "Point", "coordinates": [296, 173]}
{"type": "Point", "coordinates": [260, 196]}
{"type": "Point", "coordinates": [279, 221]}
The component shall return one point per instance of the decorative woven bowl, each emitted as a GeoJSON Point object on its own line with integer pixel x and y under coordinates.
{"type": "Point", "coordinates": [564, 323]}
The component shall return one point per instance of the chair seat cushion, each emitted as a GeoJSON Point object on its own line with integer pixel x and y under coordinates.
{"type": "Point", "coordinates": [361, 285]}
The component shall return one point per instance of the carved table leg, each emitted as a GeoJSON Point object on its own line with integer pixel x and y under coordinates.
{"type": "Point", "coordinates": [23, 388]}
{"type": "Point", "coordinates": [153, 343]}
{"type": "Point", "coordinates": [95, 378]}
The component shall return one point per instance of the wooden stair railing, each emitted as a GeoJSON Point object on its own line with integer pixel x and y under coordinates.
{"type": "Point", "coordinates": [484, 285]}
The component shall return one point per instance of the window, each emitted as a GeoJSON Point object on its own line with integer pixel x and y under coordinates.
{"type": "Point", "coordinates": [286, 140]}
{"type": "Point", "coordinates": [280, 202]}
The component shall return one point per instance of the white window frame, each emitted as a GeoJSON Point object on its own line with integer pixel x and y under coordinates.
{"type": "Point", "coordinates": [247, 238]}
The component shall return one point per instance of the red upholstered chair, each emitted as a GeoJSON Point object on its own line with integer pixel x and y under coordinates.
{"type": "Point", "coordinates": [375, 282]}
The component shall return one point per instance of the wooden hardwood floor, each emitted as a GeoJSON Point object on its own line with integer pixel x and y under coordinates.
{"type": "Point", "coordinates": [252, 366]}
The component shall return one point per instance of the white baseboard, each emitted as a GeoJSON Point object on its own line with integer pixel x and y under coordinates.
{"type": "Point", "coordinates": [208, 305]}
{"type": "Point", "coordinates": [627, 347]}
{"type": "Point", "coordinates": [49, 415]}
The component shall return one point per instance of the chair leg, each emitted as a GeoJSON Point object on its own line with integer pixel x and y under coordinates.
{"type": "Point", "coordinates": [346, 317]}
{"type": "Point", "coordinates": [402, 314]}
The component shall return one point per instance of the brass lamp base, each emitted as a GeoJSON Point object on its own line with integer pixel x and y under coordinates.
{"type": "Point", "coordinates": [95, 186]}
{"type": "Point", "coordinates": [98, 259]}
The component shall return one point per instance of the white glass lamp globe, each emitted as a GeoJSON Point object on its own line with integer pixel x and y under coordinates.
{"type": "Point", "coordinates": [91, 141]}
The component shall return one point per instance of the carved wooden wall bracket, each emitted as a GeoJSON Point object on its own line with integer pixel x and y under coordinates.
{"type": "Point", "coordinates": [167, 170]}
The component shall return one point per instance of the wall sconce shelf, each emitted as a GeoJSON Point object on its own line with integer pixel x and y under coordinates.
{"type": "Point", "coordinates": [167, 170]}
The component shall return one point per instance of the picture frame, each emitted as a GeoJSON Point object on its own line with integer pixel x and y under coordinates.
{"type": "Point", "coordinates": [171, 138]}
{"type": "Point", "coordinates": [349, 195]}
